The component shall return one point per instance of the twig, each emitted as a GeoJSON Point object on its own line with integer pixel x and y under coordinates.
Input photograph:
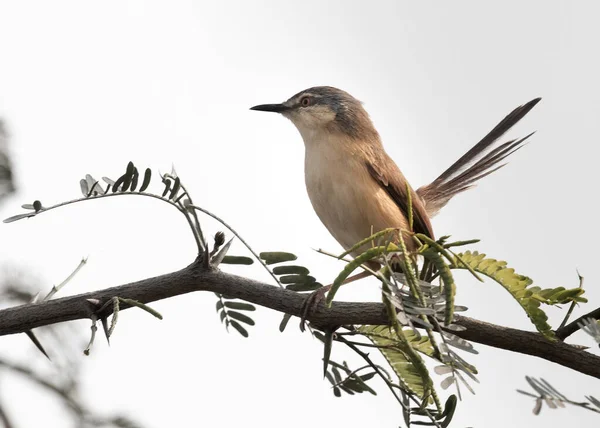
{"type": "Point", "coordinates": [56, 288]}
{"type": "Point", "coordinates": [572, 306]}
{"type": "Point", "coordinates": [564, 332]}
{"type": "Point", "coordinates": [220, 220]}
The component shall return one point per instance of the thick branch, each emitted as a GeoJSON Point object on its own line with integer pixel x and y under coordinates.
{"type": "Point", "coordinates": [195, 278]}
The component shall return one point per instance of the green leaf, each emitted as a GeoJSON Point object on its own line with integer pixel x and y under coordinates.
{"type": "Point", "coordinates": [240, 317]}
{"type": "Point", "coordinates": [403, 365]}
{"type": "Point", "coordinates": [355, 264]}
{"type": "Point", "coordinates": [18, 217]}
{"type": "Point", "coordinates": [336, 373]}
{"type": "Point", "coordinates": [289, 270]}
{"type": "Point", "coordinates": [297, 279]}
{"type": "Point", "coordinates": [241, 306]}
{"type": "Point", "coordinates": [237, 260]}
{"type": "Point", "coordinates": [167, 184]}
{"type": "Point", "coordinates": [447, 279]}
{"type": "Point", "coordinates": [374, 238]}
{"type": "Point", "coordinates": [146, 182]}
{"type": "Point", "coordinates": [176, 186]}
{"type": "Point", "coordinates": [277, 257]}
{"type": "Point", "coordinates": [367, 376]}
{"type": "Point", "coordinates": [118, 183]}
{"type": "Point", "coordinates": [311, 286]}
{"type": "Point", "coordinates": [134, 179]}
{"type": "Point", "coordinates": [517, 285]}
{"type": "Point", "coordinates": [241, 330]}
{"type": "Point", "coordinates": [448, 412]}
{"type": "Point", "coordinates": [128, 176]}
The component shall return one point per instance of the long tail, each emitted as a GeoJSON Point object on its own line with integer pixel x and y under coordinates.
{"type": "Point", "coordinates": [481, 160]}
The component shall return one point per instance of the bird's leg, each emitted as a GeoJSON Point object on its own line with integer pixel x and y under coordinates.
{"type": "Point", "coordinates": [317, 296]}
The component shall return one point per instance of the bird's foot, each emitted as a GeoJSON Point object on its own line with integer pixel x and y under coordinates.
{"type": "Point", "coordinates": [311, 303]}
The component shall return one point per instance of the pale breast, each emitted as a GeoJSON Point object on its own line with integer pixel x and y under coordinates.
{"type": "Point", "coordinates": [345, 197]}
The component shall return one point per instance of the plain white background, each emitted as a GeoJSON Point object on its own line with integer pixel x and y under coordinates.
{"type": "Point", "coordinates": [86, 86]}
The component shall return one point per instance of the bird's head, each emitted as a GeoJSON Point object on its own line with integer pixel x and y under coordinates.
{"type": "Point", "coordinates": [324, 109]}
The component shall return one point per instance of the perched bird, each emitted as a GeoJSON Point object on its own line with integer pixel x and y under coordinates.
{"type": "Point", "coordinates": [355, 188]}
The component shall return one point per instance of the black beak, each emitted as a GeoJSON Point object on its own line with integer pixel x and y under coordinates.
{"type": "Point", "coordinates": [275, 108]}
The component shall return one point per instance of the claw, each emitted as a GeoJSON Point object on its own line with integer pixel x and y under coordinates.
{"type": "Point", "coordinates": [311, 303]}
{"type": "Point", "coordinates": [317, 296]}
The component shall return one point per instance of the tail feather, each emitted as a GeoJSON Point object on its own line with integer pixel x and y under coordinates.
{"type": "Point", "coordinates": [480, 161]}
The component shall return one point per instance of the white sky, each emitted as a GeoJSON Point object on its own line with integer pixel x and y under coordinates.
{"type": "Point", "coordinates": [87, 86]}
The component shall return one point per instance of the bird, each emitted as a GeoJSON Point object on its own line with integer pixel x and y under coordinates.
{"type": "Point", "coordinates": [355, 187]}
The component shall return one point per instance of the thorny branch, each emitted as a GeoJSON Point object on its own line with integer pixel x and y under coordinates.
{"type": "Point", "coordinates": [197, 278]}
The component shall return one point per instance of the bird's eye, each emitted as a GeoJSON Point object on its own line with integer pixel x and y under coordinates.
{"type": "Point", "coordinates": [305, 101]}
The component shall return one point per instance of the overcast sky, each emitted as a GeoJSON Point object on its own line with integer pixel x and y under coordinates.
{"type": "Point", "coordinates": [86, 87]}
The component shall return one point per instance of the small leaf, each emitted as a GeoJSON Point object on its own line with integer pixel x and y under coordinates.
{"type": "Point", "coordinates": [442, 370]}
{"type": "Point", "coordinates": [449, 409]}
{"type": "Point", "coordinates": [84, 187]}
{"type": "Point", "coordinates": [176, 186]}
{"type": "Point", "coordinates": [288, 270]}
{"type": "Point", "coordinates": [459, 343]}
{"type": "Point", "coordinates": [240, 317]}
{"type": "Point", "coordinates": [219, 305]}
{"type": "Point", "coordinates": [222, 315]}
{"type": "Point", "coordinates": [297, 279]}
{"type": "Point", "coordinates": [273, 257]}
{"type": "Point", "coordinates": [236, 260]}
{"type": "Point", "coordinates": [240, 306]}
{"type": "Point", "coordinates": [128, 176]}
{"type": "Point", "coordinates": [134, 179]}
{"type": "Point", "coordinates": [447, 382]}
{"type": "Point", "coordinates": [304, 287]}
{"type": "Point", "coordinates": [241, 330]}
{"type": "Point", "coordinates": [167, 184]}
{"type": "Point", "coordinates": [146, 182]}
{"type": "Point", "coordinates": [367, 376]}
{"type": "Point", "coordinates": [118, 185]}
{"type": "Point", "coordinates": [17, 217]}
{"type": "Point", "coordinates": [346, 390]}
{"type": "Point", "coordinates": [336, 374]}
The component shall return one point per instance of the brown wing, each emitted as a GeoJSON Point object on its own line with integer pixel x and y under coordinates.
{"type": "Point", "coordinates": [387, 174]}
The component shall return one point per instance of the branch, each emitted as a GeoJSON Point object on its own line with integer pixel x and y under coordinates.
{"type": "Point", "coordinates": [564, 332]}
{"type": "Point", "coordinates": [196, 278]}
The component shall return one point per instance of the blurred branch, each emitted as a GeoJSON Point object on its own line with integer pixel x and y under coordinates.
{"type": "Point", "coordinates": [197, 278]}
{"type": "Point", "coordinates": [68, 395]}
{"type": "Point", "coordinates": [6, 173]}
